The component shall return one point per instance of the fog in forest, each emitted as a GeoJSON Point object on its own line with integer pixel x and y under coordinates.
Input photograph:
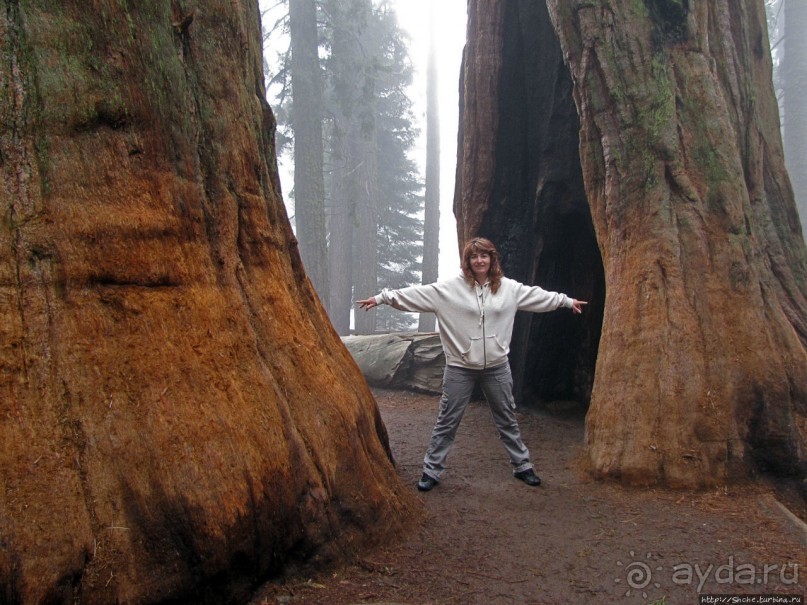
{"type": "Point", "coordinates": [399, 265]}
{"type": "Point", "coordinates": [786, 22]}
{"type": "Point", "coordinates": [183, 421]}
{"type": "Point", "coordinates": [413, 20]}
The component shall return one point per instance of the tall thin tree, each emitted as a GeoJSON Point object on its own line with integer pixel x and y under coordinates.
{"type": "Point", "coordinates": [353, 223]}
{"type": "Point", "coordinates": [794, 80]}
{"type": "Point", "coordinates": [431, 225]}
{"type": "Point", "coordinates": [400, 185]}
{"type": "Point", "coordinates": [341, 211]}
{"type": "Point", "coordinates": [374, 240]}
{"type": "Point", "coordinates": [365, 278]}
{"type": "Point", "coordinates": [309, 187]}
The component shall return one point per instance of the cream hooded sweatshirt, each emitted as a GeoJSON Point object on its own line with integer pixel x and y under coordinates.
{"type": "Point", "coordinates": [475, 324]}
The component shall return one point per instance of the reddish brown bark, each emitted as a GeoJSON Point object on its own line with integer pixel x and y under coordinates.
{"type": "Point", "coordinates": [701, 374]}
{"type": "Point", "coordinates": [479, 82]}
{"type": "Point", "coordinates": [176, 410]}
{"type": "Point", "coordinates": [702, 371]}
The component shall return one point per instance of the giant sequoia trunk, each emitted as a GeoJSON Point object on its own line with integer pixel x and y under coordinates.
{"type": "Point", "coordinates": [176, 411]}
{"type": "Point", "coordinates": [701, 374]}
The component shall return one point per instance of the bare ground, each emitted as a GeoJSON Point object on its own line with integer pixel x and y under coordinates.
{"type": "Point", "coordinates": [486, 538]}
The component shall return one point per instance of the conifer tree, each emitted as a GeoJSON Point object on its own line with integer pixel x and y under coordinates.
{"type": "Point", "coordinates": [373, 192]}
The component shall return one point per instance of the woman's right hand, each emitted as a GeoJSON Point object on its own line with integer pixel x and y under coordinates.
{"type": "Point", "coordinates": [577, 305]}
{"type": "Point", "coordinates": [367, 303]}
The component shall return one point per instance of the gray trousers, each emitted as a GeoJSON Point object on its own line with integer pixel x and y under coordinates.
{"type": "Point", "coordinates": [458, 386]}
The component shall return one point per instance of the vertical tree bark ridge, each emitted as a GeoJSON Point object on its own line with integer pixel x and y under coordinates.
{"type": "Point", "coordinates": [176, 410]}
{"type": "Point", "coordinates": [479, 97]}
{"type": "Point", "coordinates": [702, 373]}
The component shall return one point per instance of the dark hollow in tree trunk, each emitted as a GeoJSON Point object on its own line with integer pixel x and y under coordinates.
{"type": "Point", "coordinates": [532, 203]}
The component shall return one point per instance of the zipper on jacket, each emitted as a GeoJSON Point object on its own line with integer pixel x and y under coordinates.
{"type": "Point", "coordinates": [484, 342]}
{"type": "Point", "coordinates": [482, 322]}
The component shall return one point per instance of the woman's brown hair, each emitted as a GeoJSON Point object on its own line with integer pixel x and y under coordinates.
{"type": "Point", "coordinates": [477, 245]}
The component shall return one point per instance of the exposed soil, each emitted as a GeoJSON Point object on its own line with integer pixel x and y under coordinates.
{"type": "Point", "coordinates": [486, 538]}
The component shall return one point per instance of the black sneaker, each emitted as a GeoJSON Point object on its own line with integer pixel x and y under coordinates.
{"type": "Point", "coordinates": [529, 477]}
{"type": "Point", "coordinates": [426, 483]}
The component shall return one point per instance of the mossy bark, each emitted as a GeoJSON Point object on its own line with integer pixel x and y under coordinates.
{"type": "Point", "coordinates": [178, 417]}
{"type": "Point", "coordinates": [702, 371]}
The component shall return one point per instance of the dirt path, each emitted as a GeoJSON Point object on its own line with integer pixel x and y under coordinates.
{"type": "Point", "coordinates": [489, 539]}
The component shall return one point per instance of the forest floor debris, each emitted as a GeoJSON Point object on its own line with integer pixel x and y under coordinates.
{"type": "Point", "coordinates": [489, 539]}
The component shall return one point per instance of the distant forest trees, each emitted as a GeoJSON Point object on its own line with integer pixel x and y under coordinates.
{"type": "Point", "coordinates": [342, 106]}
{"type": "Point", "coordinates": [787, 22]}
{"type": "Point", "coordinates": [358, 198]}
{"type": "Point", "coordinates": [431, 224]}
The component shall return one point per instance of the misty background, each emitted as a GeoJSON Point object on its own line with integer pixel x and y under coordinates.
{"type": "Point", "coordinates": [418, 27]}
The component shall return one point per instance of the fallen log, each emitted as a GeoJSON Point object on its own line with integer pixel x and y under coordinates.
{"type": "Point", "coordinates": [400, 360]}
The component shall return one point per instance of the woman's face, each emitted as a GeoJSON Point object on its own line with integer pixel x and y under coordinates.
{"type": "Point", "coordinates": [480, 265]}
